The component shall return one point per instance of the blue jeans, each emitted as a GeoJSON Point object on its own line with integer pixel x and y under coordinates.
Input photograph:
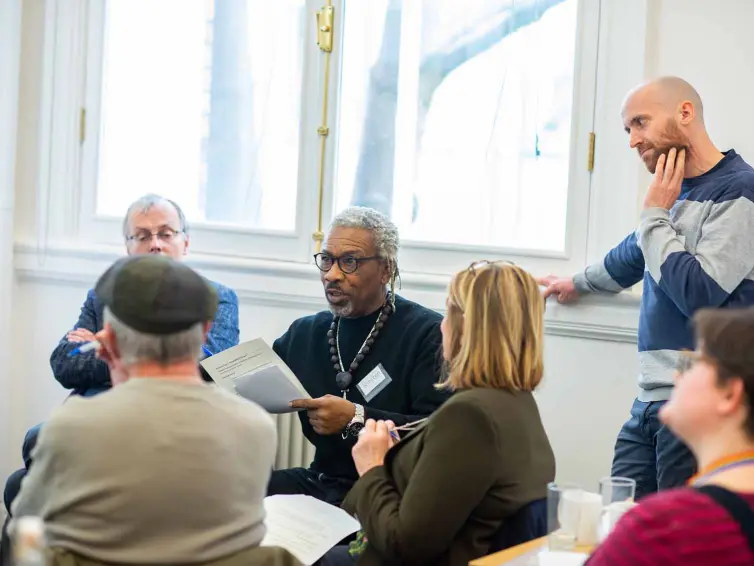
{"type": "Point", "coordinates": [649, 453]}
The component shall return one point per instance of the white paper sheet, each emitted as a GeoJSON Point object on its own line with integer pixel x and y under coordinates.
{"type": "Point", "coordinates": [255, 372]}
{"type": "Point", "coordinates": [539, 557]}
{"type": "Point", "coordinates": [306, 527]}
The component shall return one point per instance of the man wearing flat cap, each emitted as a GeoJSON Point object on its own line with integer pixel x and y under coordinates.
{"type": "Point", "coordinates": [153, 225]}
{"type": "Point", "coordinates": [164, 468]}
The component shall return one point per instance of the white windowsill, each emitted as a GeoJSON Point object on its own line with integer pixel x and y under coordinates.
{"type": "Point", "coordinates": [297, 286]}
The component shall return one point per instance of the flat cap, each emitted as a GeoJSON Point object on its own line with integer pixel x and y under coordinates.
{"type": "Point", "coordinates": [156, 294]}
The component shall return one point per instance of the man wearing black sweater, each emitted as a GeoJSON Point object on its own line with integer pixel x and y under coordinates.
{"type": "Point", "coordinates": [371, 355]}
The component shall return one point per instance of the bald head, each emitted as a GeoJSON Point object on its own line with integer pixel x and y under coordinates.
{"type": "Point", "coordinates": [671, 93]}
{"type": "Point", "coordinates": [662, 114]}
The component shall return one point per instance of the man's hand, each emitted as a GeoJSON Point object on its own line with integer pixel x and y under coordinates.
{"type": "Point", "coordinates": [374, 442]}
{"type": "Point", "coordinates": [562, 287]}
{"type": "Point", "coordinates": [80, 335]}
{"type": "Point", "coordinates": [328, 414]}
{"type": "Point", "coordinates": [666, 184]}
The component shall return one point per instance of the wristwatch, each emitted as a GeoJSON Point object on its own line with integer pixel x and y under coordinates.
{"type": "Point", "coordinates": [357, 422]}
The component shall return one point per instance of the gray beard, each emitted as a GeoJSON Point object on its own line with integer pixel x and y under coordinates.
{"type": "Point", "coordinates": [343, 311]}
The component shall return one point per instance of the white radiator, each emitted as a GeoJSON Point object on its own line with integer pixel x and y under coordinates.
{"type": "Point", "coordinates": [294, 450]}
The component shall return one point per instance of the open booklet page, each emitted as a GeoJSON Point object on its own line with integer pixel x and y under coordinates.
{"type": "Point", "coordinates": [254, 371]}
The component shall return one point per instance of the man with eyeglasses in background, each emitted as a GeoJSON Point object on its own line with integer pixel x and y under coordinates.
{"type": "Point", "coordinates": [152, 225]}
{"type": "Point", "coordinates": [371, 355]}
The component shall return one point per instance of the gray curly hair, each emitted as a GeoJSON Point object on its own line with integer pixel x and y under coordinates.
{"type": "Point", "coordinates": [384, 232]}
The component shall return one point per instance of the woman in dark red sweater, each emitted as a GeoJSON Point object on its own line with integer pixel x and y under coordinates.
{"type": "Point", "coordinates": [711, 410]}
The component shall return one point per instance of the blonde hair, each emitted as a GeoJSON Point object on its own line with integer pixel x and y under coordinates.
{"type": "Point", "coordinates": [495, 316]}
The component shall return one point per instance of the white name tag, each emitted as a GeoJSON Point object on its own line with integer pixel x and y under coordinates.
{"type": "Point", "coordinates": [374, 382]}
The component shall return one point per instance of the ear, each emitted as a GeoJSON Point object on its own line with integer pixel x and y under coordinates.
{"type": "Point", "coordinates": [733, 397]}
{"type": "Point", "coordinates": [207, 327]}
{"type": "Point", "coordinates": [387, 272]}
{"type": "Point", "coordinates": [687, 112]}
{"type": "Point", "coordinates": [108, 341]}
{"type": "Point", "coordinates": [186, 241]}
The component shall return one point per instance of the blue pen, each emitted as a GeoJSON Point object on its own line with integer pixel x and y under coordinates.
{"type": "Point", "coordinates": [84, 348]}
{"type": "Point", "coordinates": [206, 351]}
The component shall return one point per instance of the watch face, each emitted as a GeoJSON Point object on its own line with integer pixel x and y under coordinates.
{"type": "Point", "coordinates": [355, 427]}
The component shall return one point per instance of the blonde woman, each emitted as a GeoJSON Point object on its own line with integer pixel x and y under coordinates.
{"type": "Point", "coordinates": [440, 494]}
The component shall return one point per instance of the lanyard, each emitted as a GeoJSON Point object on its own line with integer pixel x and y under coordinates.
{"type": "Point", "coordinates": [726, 463]}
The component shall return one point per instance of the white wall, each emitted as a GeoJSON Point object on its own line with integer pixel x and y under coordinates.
{"type": "Point", "coordinates": [590, 357]}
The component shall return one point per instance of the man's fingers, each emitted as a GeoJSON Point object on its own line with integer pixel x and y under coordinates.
{"type": "Point", "coordinates": [660, 167]}
{"type": "Point", "coordinates": [680, 167]}
{"type": "Point", "coordinates": [305, 403]}
{"type": "Point", "coordinates": [79, 335]}
{"type": "Point", "coordinates": [670, 165]}
{"type": "Point", "coordinates": [550, 290]}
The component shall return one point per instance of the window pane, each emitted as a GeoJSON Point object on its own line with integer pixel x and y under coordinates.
{"type": "Point", "coordinates": [201, 103]}
{"type": "Point", "coordinates": [456, 118]}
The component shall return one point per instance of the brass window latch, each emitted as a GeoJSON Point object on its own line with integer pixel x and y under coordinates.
{"type": "Point", "coordinates": [324, 28]}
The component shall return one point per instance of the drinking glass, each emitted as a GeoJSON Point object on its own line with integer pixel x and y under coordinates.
{"type": "Point", "coordinates": [563, 515]}
{"type": "Point", "coordinates": [617, 497]}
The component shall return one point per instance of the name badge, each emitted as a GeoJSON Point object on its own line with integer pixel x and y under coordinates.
{"type": "Point", "coordinates": [374, 382]}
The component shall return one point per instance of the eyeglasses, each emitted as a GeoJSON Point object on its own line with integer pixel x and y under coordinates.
{"type": "Point", "coordinates": [165, 235]}
{"type": "Point", "coordinates": [347, 263]}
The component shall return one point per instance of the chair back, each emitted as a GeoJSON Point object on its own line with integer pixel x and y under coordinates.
{"type": "Point", "coordinates": [528, 523]}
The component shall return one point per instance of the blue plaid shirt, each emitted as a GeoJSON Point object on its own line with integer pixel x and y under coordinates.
{"type": "Point", "coordinates": [86, 375]}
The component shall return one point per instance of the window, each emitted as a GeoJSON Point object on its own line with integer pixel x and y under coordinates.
{"type": "Point", "coordinates": [455, 118]}
{"type": "Point", "coordinates": [200, 101]}
{"type": "Point", "coordinates": [467, 122]}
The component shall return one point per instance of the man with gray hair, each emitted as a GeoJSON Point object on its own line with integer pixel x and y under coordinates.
{"type": "Point", "coordinates": [372, 354]}
{"type": "Point", "coordinates": [153, 225]}
{"type": "Point", "coordinates": [165, 468]}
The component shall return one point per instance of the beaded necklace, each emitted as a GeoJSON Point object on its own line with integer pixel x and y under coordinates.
{"type": "Point", "coordinates": [344, 377]}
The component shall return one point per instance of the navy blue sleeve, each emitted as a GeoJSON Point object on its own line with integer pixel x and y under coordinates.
{"type": "Point", "coordinates": [623, 267]}
{"type": "Point", "coordinates": [719, 268]}
{"type": "Point", "coordinates": [84, 371]}
{"type": "Point", "coordinates": [625, 262]}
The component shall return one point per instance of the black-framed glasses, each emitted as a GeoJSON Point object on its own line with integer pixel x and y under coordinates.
{"type": "Point", "coordinates": [165, 235]}
{"type": "Point", "coordinates": [346, 263]}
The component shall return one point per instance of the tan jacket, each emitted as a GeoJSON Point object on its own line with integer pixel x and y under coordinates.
{"type": "Point", "coordinates": [259, 556]}
{"type": "Point", "coordinates": [446, 489]}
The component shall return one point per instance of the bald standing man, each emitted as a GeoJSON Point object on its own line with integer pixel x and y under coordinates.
{"type": "Point", "coordinates": [693, 249]}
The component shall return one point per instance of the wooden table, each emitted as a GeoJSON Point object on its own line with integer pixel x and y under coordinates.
{"type": "Point", "coordinates": [508, 555]}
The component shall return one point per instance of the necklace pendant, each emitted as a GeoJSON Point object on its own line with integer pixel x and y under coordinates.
{"type": "Point", "coordinates": [343, 380]}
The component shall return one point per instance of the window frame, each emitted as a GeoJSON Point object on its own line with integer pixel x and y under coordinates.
{"type": "Point", "coordinates": [446, 258]}
{"type": "Point", "coordinates": [68, 168]}
{"type": "Point", "coordinates": [206, 237]}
